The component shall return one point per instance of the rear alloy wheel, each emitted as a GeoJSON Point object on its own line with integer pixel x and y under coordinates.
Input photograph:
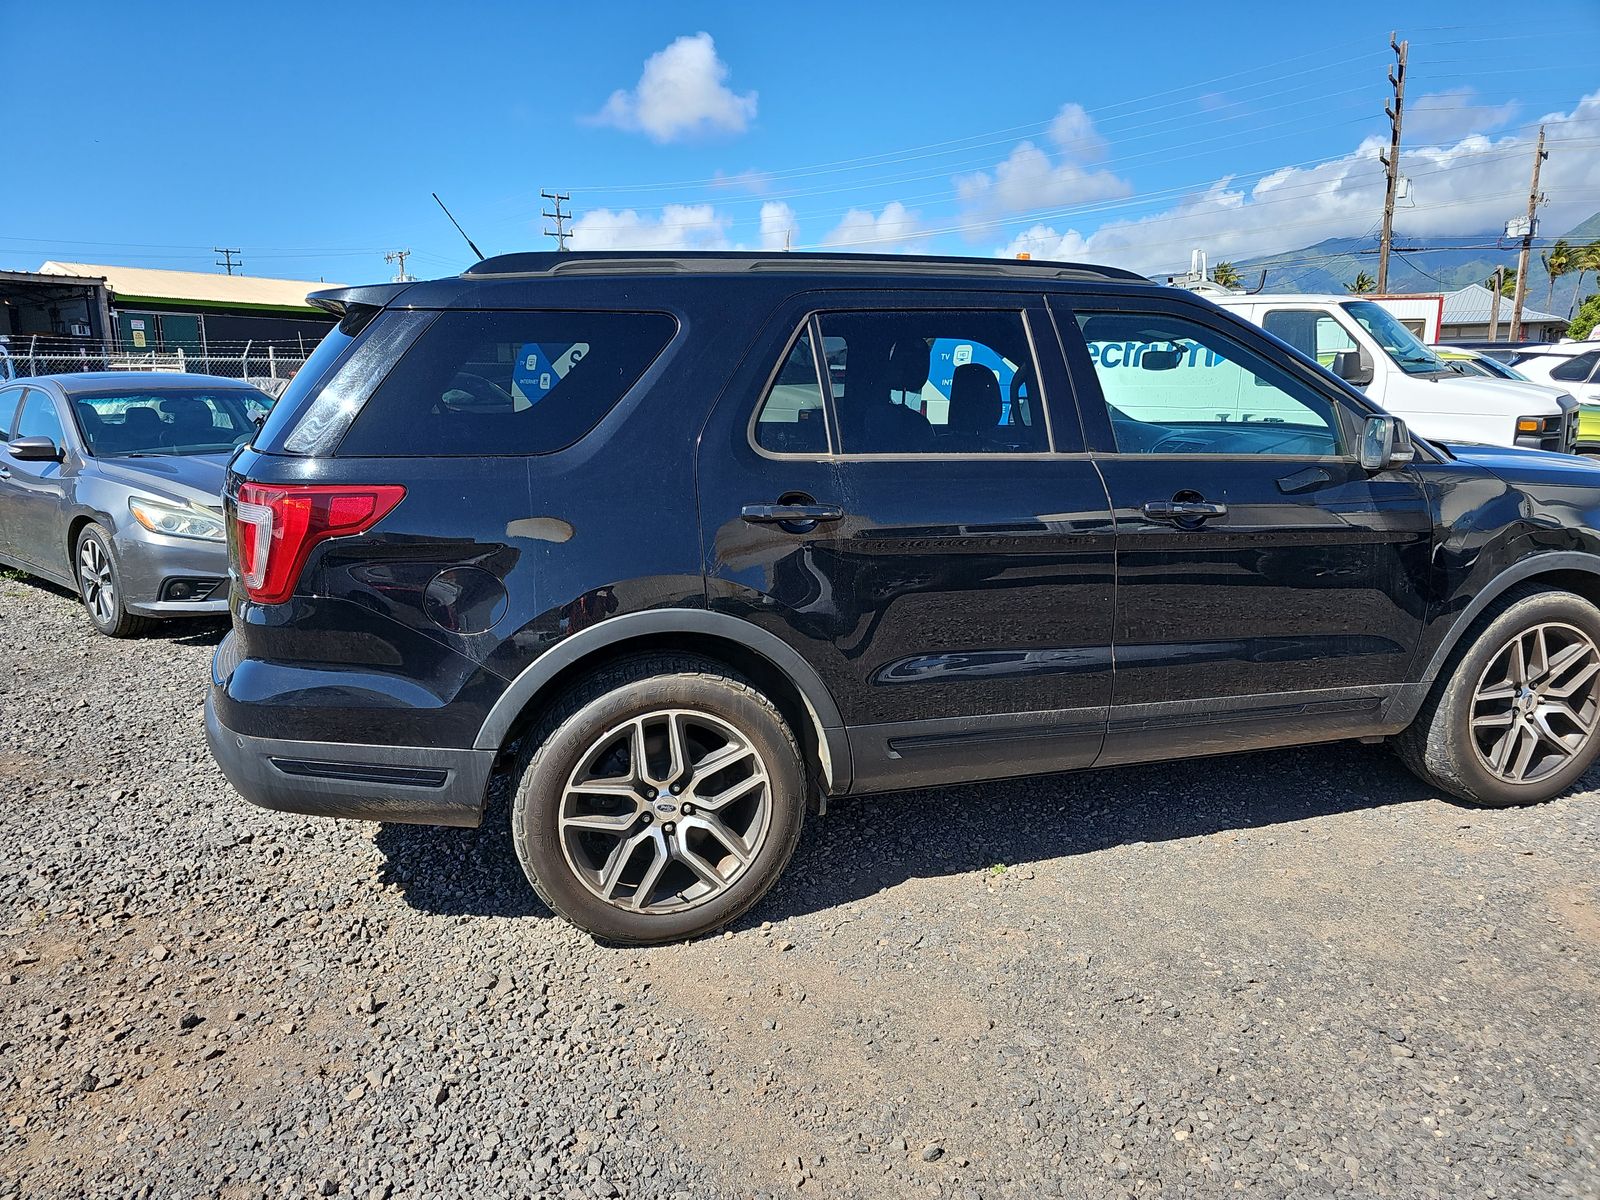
{"type": "Point", "coordinates": [100, 589]}
{"type": "Point", "coordinates": [665, 812]}
{"type": "Point", "coordinates": [662, 799]}
{"type": "Point", "coordinates": [1514, 719]}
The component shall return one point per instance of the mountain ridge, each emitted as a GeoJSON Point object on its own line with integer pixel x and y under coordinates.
{"type": "Point", "coordinates": [1439, 264]}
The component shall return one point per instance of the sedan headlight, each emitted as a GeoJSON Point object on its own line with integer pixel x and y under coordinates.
{"type": "Point", "coordinates": [177, 520]}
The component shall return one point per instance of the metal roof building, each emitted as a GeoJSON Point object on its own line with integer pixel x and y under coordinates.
{"type": "Point", "coordinates": [147, 285]}
{"type": "Point", "coordinates": [1467, 315]}
{"type": "Point", "coordinates": [200, 313]}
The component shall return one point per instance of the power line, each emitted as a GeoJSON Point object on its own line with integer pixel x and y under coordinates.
{"type": "Point", "coordinates": [560, 218]}
{"type": "Point", "coordinates": [227, 257]}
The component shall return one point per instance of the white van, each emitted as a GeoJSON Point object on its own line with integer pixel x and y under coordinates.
{"type": "Point", "coordinates": [1363, 343]}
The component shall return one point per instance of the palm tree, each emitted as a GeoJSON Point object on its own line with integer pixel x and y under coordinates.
{"type": "Point", "coordinates": [1584, 260]}
{"type": "Point", "coordinates": [1508, 282]}
{"type": "Point", "coordinates": [1362, 284]}
{"type": "Point", "coordinates": [1226, 275]}
{"type": "Point", "coordinates": [1557, 262]}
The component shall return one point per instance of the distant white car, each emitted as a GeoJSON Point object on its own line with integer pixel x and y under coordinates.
{"type": "Point", "coordinates": [1574, 366]}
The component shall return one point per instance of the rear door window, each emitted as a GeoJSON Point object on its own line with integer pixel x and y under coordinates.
{"type": "Point", "coordinates": [492, 383]}
{"type": "Point", "coordinates": [937, 382]}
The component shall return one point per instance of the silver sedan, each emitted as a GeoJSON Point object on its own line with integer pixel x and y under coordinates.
{"type": "Point", "coordinates": [111, 483]}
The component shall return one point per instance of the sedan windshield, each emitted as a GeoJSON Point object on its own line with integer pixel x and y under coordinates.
{"type": "Point", "coordinates": [1398, 342]}
{"type": "Point", "coordinates": [168, 421]}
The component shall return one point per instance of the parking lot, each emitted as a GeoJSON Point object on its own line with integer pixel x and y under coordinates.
{"type": "Point", "coordinates": [1294, 974]}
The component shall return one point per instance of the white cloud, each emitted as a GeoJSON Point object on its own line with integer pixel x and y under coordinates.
{"type": "Point", "coordinates": [679, 227]}
{"type": "Point", "coordinates": [778, 228]}
{"type": "Point", "coordinates": [896, 228]}
{"type": "Point", "coordinates": [1451, 115]}
{"type": "Point", "coordinates": [1030, 179]}
{"type": "Point", "coordinates": [682, 91]}
{"type": "Point", "coordinates": [1469, 187]}
{"type": "Point", "coordinates": [1074, 134]}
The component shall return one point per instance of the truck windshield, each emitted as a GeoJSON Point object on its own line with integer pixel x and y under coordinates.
{"type": "Point", "coordinates": [1398, 342]}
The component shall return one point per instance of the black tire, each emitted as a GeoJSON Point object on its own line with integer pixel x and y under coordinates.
{"type": "Point", "coordinates": [1439, 747]}
{"type": "Point", "coordinates": [103, 602]}
{"type": "Point", "coordinates": [593, 710]}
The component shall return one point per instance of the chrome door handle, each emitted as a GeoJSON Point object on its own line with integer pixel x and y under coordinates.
{"type": "Point", "coordinates": [5, 472]}
{"type": "Point", "coordinates": [1184, 510]}
{"type": "Point", "coordinates": [790, 514]}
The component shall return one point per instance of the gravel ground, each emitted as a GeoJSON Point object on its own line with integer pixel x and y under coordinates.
{"type": "Point", "coordinates": [1296, 974]}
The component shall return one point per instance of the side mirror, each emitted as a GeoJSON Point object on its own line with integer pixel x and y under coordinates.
{"type": "Point", "coordinates": [1385, 442]}
{"type": "Point", "coordinates": [1353, 366]}
{"type": "Point", "coordinates": [34, 449]}
{"type": "Point", "coordinates": [1161, 360]}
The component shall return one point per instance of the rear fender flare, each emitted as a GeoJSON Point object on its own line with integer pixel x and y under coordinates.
{"type": "Point", "coordinates": [833, 745]}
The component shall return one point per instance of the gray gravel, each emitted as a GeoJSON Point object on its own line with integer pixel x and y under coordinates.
{"type": "Point", "coordinates": [1281, 975]}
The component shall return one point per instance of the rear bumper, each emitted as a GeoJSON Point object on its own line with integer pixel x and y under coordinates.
{"type": "Point", "coordinates": [414, 785]}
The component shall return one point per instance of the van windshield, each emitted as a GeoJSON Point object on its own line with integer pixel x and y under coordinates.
{"type": "Point", "coordinates": [1398, 342]}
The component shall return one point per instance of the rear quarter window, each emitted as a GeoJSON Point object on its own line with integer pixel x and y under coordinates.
{"type": "Point", "coordinates": [494, 383]}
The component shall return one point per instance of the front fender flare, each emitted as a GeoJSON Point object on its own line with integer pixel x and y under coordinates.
{"type": "Point", "coordinates": [1519, 571]}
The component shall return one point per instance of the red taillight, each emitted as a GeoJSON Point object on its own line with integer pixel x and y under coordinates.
{"type": "Point", "coordinates": [276, 526]}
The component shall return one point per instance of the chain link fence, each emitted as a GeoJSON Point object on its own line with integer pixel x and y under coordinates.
{"type": "Point", "coordinates": [263, 365]}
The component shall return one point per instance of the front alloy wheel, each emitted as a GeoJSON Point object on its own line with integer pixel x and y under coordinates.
{"type": "Point", "coordinates": [1535, 705]}
{"type": "Point", "coordinates": [99, 586]}
{"type": "Point", "coordinates": [1512, 717]}
{"type": "Point", "coordinates": [96, 581]}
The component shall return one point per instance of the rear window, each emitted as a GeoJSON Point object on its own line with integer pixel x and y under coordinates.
{"type": "Point", "coordinates": [1578, 368]}
{"type": "Point", "coordinates": [490, 383]}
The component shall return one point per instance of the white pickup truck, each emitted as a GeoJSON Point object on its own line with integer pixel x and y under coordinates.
{"type": "Point", "coordinates": [1366, 345]}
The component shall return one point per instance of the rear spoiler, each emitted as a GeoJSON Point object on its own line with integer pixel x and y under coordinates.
{"type": "Point", "coordinates": [339, 301]}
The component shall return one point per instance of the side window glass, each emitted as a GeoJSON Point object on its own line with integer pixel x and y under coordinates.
{"type": "Point", "coordinates": [934, 382]}
{"type": "Point", "coordinates": [792, 419]}
{"type": "Point", "coordinates": [39, 418]}
{"type": "Point", "coordinates": [8, 409]}
{"type": "Point", "coordinates": [490, 383]}
{"type": "Point", "coordinates": [1577, 368]}
{"type": "Point", "coordinates": [1316, 335]}
{"type": "Point", "coordinates": [1174, 386]}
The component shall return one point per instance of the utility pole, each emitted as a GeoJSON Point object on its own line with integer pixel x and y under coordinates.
{"type": "Point", "coordinates": [227, 257]}
{"type": "Point", "coordinates": [399, 256]}
{"type": "Point", "coordinates": [1534, 200]}
{"type": "Point", "coordinates": [1391, 162]}
{"type": "Point", "coordinates": [560, 218]}
{"type": "Point", "coordinates": [1497, 284]}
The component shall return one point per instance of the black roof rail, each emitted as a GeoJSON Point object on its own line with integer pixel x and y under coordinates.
{"type": "Point", "coordinates": [640, 262]}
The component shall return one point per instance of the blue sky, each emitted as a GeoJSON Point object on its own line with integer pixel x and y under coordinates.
{"type": "Point", "coordinates": [310, 136]}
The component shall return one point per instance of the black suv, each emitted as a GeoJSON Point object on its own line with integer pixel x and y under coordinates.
{"type": "Point", "coordinates": [690, 543]}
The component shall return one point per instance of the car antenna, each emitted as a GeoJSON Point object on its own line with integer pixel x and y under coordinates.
{"type": "Point", "coordinates": [457, 224]}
